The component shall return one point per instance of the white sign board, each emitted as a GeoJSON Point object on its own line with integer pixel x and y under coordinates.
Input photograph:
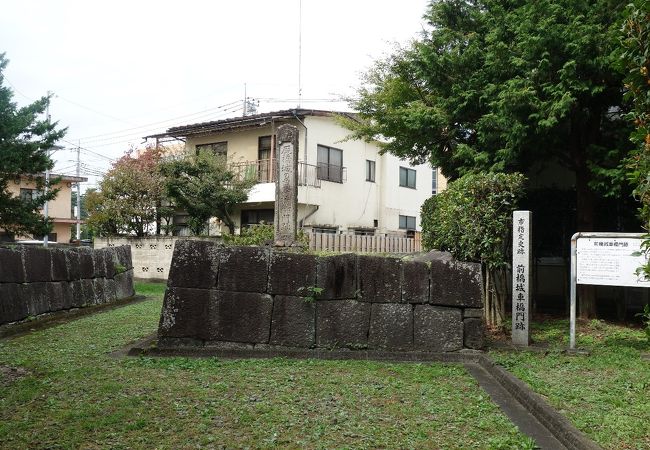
{"type": "Point", "coordinates": [610, 261]}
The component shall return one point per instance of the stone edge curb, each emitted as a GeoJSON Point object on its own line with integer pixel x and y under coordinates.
{"type": "Point", "coordinates": [558, 425]}
{"type": "Point", "coordinates": [55, 318]}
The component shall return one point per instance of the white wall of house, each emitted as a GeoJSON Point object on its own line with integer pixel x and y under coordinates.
{"type": "Point", "coordinates": [354, 204]}
{"type": "Point", "coordinates": [399, 200]}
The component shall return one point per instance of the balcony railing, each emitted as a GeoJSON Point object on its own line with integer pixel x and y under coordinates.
{"type": "Point", "coordinates": [264, 171]}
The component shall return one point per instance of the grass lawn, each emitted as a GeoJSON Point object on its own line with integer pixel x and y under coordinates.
{"type": "Point", "coordinates": [69, 393]}
{"type": "Point", "coordinates": [607, 394]}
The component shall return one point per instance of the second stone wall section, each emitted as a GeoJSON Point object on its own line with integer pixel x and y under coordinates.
{"type": "Point", "coordinates": [37, 280]}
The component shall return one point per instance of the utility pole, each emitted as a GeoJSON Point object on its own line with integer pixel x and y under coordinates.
{"type": "Point", "coordinates": [245, 100]}
{"type": "Point", "coordinates": [78, 194]}
{"type": "Point", "coordinates": [300, 54]}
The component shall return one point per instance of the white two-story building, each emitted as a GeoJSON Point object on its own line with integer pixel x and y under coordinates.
{"type": "Point", "coordinates": [345, 186]}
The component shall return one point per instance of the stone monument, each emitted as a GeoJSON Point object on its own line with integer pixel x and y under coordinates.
{"type": "Point", "coordinates": [521, 264]}
{"type": "Point", "coordinates": [286, 186]}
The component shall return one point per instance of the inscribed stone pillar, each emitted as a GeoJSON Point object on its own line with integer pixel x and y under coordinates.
{"type": "Point", "coordinates": [286, 185]}
{"type": "Point", "coordinates": [521, 271]}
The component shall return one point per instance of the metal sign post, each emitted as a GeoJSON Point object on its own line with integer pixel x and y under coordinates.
{"type": "Point", "coordinates": [608, 259]}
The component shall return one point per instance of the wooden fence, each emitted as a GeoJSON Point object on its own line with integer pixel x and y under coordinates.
{"type": "Point", "coordinates": [364, 244]}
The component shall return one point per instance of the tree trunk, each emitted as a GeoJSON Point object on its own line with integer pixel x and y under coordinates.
{"type": "Point", "coordinates": [494, 292]}
{"type": "Point", "coordinates": [585, 218]}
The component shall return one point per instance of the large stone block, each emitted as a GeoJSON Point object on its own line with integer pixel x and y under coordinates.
{"type": "Point", "coordinates": [86, 262]}
{"type": "Point", "coordinates": [456, 283]}
{"type": "Point", "coordinates": [337, 276]}
{"type": "Point", "coordinates": [110, 290]}
{"type": "Point", "coordinates": [35, 294]}
{"type": "Point", "coordinates": [291, 273]}
{"type": "Point", "coordinates": [78, 299]}
{"type": "Point", "coordinates": [37, 264]}
{"type": "Point", "coordinates": [437, 329]}
{"type": "Point", "coordinates": [379, 279]}
{"type": "Point", "coordinates": [185, 313]}
{"type": "Point", "coordinates": [111, 262]}
{"type": "Point", "coordinates": [68, 294]}
{"type": "Point", "coordinates": [12, 269]}
{"type": "Point", "coordinates": [243, 269]}
{"type": "Point", "coordinates": [124, 285]}
{"type": "Point", "coordinates": [194, 264]}
{"type": "Point", "coordinates": [415, 281]}
{"type": "Point", "coordinates": [13, 306]}
{"type": "Point", "coordinates": [294, 322]}
{"type": "Point", "coordinates": [391, 326]}
{"type": "Point", "coordinates": [59, 264]}
{"type": "Point", "coordinates": [55, 296]}
{"type": "Point", "coordinates": [99, 259]}
{"type": "Point", "coordinates": [342, 323]}
{"type": "Point", "coordinates": [123, 256]}
{"type": "Point", "coordinates": [474, 333]}
{"type": "Point", "coordinates": [99, 285]}
{"type": "Point", "coordinates": [241, 317]}
{"type": "Point", "coordinates": [73, 264]}
{"type": "Point", "coordinates": [87, 291]}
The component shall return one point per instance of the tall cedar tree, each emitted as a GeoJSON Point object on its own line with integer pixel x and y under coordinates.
{"type": "Point", "coordinates": [506, 86]}
{"type": "Point", "coordinates": [636, 57]}
{"type": "Point", "coordinates": [24, 141]}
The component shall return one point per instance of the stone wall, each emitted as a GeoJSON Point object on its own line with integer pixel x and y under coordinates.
{"type": "Point", "coordinates": [251, 297]}
{"type": "Point", "coordinates": [37, 280]}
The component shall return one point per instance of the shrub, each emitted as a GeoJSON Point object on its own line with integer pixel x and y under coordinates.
{"type": "Point", "coordinates": [472, 220]}
{"type": "Point", "coordinates": [261, 234]}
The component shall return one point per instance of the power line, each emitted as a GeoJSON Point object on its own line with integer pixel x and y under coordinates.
{"type": "Point", "coordinates": [93, 110]}
{"type": "Point", "coordinates": [145, 130]}
{"type": "Point", "coordinates": [173, 119]}
{"type": "Point", "coordinates": [88, 150]}
{"type": "Point", "coordinates": [132, 137]}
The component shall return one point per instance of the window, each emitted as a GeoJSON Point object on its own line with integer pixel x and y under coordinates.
{"type": "Point", "coordinates": [264, 147]}
{"type": "Point", "coordinates": [218, 148]}
{"type": "Point", "coordinates": [51, 237]}
{"type": "Point", "coordinates": [364, 232]}
{"type": "Point", "coordinates": [330, 164]}
{"type": "Point", "coordinates": [264, 165]}
{"type": "Point", "coordinates": [407, 177]}
{"type": "Point", "coordinates": [324, 230]}
{"type": "Point", "coordinates": [406, 222]}
{"type": "Point", "coordinates": [434, 181]}
{"type": "Point", "coordinates": [370, 170]}
{"type": "Point", "coordinates": [27, 195]}
{"type": "Point", "coordinates": [256, 216]}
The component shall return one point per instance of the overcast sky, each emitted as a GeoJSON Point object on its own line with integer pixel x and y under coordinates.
{"type": "Point", "coordinates": [121, 70]}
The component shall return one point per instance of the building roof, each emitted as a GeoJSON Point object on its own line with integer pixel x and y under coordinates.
{"type": "Point", "coordinates": [64, 178]}
{"type": "Point", "coordinates": [244, 122]}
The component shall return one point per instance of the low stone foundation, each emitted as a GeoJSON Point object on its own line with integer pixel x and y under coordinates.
{"type": "Point", "coordinates": [251, 297]}
{"type": "Point", "coordinates": [38, 280]}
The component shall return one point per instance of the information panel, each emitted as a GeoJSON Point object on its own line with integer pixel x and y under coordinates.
{"type": "Point", "coordinates": [609, 261]}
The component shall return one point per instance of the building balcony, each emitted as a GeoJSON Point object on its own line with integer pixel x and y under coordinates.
{"type": "Point", "coordinates": [264, 171]}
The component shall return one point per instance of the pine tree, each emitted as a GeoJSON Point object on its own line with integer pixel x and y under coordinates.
{"type": "Point", "coordinates": [24, 142]}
